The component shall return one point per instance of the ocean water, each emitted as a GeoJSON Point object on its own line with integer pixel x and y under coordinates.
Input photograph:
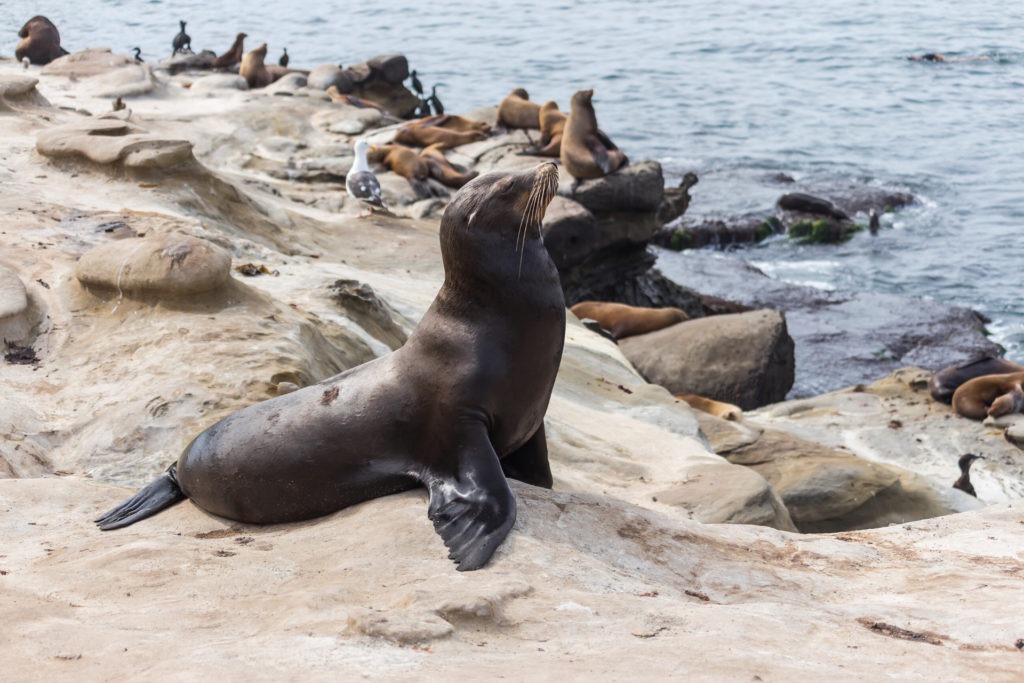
{"type": "Point", "coordinates": [735, 90]}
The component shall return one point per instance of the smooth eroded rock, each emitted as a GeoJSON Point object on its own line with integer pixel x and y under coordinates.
{"type": "Point", "coordinates": [326, 75]}
{"type": "Point", "coordinates": [112, 142]}
{"type": "Point", "coordinates": [171, 264]}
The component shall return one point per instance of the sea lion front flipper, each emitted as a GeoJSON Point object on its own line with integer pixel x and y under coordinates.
{"type": "Point", "coordinates": [473, 508]}
{"type": "Point", "coordinates": [529, 463]}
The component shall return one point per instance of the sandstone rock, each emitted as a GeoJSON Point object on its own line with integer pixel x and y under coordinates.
{"type": "Point", "coordinates": [393, 68]}
{"type": "Point", "coordinates": [16, 320]}
{"type": "Point", "coordinates": [18, 92]}
{"type": "Point", "coordinates": [212, 84]}
{"type": "Point", "coordinates": [369, 311]}
{"type": "Point", "coordinates": [105, 74]}
{"type": "Point", "coordinates": [112, 142]}
{"type": "Point", "coordinates": [173, 265]}
{"type": "Point", "coordinates": [326, 75]}
{"type": "Point", "coordinates": [289, 84]}
{"type": "Point", "coordinates": [359, 73]}
{"type": "Point", "coordinates": [741, 358]}
{"type": "Point", "coordinates": [638, 187]}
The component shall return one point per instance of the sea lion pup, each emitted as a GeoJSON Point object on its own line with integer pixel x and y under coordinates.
{"type": "Point", "coordinates": [442, 170]}
{"type": "Point", "coordinates": [587, 152]}
{"type": "Point", "coordinates": [623, 320]}
{"type": "Point", "coordinates": [253, 70]}
{"type": "Point", "coordinates": [552, 123]}
{"type": "Point", "coordinates": [457, 409]}
{"type": "Point", "coordinates": [360, 182]}
{"type": "Point", "coordinates": [406, 163]}
{"type": "Point", "coordinates": [425, 135]}
{"type": "Point", "coordinates": [944, 382]}
{"type": "Point", "coordinates": [726, 411]}
{"type": "Point", "coordinates": [40, 41]}
{"type": "Point", "coordinates": [233, 55]}
{"type": "Point", "coordinates": [990, 395]}
{"type": "Point", "coordinates": [516, 111]}
{"type": "Point", "coordinates": [182, 42]}
{"type": "Point", "coordinates": [964, 481]}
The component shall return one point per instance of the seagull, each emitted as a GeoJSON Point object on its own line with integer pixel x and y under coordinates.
{"type": "Point", "coordinates": [360, 183]}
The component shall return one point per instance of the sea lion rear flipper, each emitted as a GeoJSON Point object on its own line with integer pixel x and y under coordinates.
{"type": "Point", "coordinates": [161, 493]}
{"type": "Point", "coordinates": [472, 509]}
{"type": "Point", "coordinates": [599, 153]}
{"type": "Point", "coordinates": [529, 463]}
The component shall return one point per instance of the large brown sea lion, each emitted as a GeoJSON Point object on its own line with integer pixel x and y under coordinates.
{"type": "Point", "coordinates": [516, 111]}
{"type": "Point", "coordinates": [726, 411]}
{"type": "Point", "coordinates": [457, 409]}
{"type": "Point", "coordinates": [427, 135]}
{"type": "Point", "coordinates": [233, 55]}
{"type": "Point", "coordinates": [990, 395]}
{"type": "Point", "coordinates": [405, 162]}
{"type": "Point", "coordinates": [623, 320]}
{"type": "Point", "coordinates": [442, 170]}
{"type": "Point", "coordinates": [944, 382]}
{"type": "Point", "coordinates": [587, 152]}
{"type": "Point", "coordinates": [253, 70]}
{"type": "Point", "coordinates": [40, 41]}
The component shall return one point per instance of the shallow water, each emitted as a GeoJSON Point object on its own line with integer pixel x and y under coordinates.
{"type": "Point", "coordinates": [732, 91]}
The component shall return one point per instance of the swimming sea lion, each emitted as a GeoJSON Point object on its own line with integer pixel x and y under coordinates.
{"type": "Point", "coordinates": [442, 170]}
{"type": "Point", "coordinates": [182, 41]}
{"type": "Point", "coordinates": [233, 55]}
{"type": "Point", "coordinates": [456, 409]}
{"type": "Point", "coordinates": [944, 382]}
{"type": "Point", "coordinates": [586, 152]}
{"type": "Point", "coordinates": [623, 320]}
{"type": "Point", "coordinates": [990, 395]}
{"type": "Point", "coordinates": [253, 70]}
{"type": "Point", "coordinates": [552, 123]}
{"type": "Point", "coordinates": [516, 111]}
{"type": "Point", "coordinates": [40, 41]}
{"type": "Point", "coordinates": [726, 411]}
{"type": "Point", "coordinates": [406, 163]}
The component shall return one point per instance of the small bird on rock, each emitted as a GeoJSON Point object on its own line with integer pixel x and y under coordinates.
{"type": "Point", "coordinates": [182, 41]}
{"type": "Point", "coordinates": [964, 482]}
{"type": "Point", "coordinates": [361, 183]}
{"type": "Point", "coordinates": [283, 59]}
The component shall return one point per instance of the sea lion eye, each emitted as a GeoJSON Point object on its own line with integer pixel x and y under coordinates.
{"type": "Point", "coordinates": [504, 185]}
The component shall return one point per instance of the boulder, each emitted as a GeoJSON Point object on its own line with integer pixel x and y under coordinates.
{"type": "Point", "coordinates": [638, 187]}
{"type": "Point", "coordinates": [570, 232]}
{"type": "Point", "coordinates": [17, 92]}
{"type": "Point", "coordinates": [111, 142]}
{"type": "Point", "coordinates": [211, 84]}
{"type": "Point", "coordinates": [105, 74]}
{"type": "Point", "coordinates": [326, 75]}
{"type": "Point", "coordinates": [173, 264]}
{"type": "Point", "coordinates": [392, 68]}
{"type": "Point", "coordinates": [16, 319]}
{"type": "Point", "coordinates": [740, 358]}
{"type": "Point", "coordinates": [289, 84]}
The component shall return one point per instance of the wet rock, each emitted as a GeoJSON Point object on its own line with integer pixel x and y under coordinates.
{"type": "Point", "coordinates": [570, 232]}
{"type": "Point", "coordinates": [716, 232]}
{"type": "Point", "coordinates": [676, 199]}
{"type": "Point", "coordinates": [326, 75]}
{"type": "Point", "coordinates": [173, 264]}
{"type": "Point", "coordinates": [112, 142]}
{"type": "Point", "coordinates": [639, 187]}
{"type": "Point", "coordinates": [809, 204]}
{"type": "Point", "coordinates": [741, 358]}
{"type": "Point", "coordinates": [188, 61]}
{"type": "Point", "coordinates": [393, 68]}
{"type": "Point", "coordinates": [842, 338]}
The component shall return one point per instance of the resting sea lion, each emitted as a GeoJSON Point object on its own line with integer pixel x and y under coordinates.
{"type": "Point", "coordinates": [726, 411]}
{"type": "Point", "coordinates": [456, 409]}
{"type": "Point", "coordinates": [253, 70]}
{"type": "Point", "coordinates": [442, 170]}
{"type": "Point", "coordinates": [552, 123]}
{"type": "Point", "coordinates": [40, 41]}
{"type": "Point", "coordinates": [944, 382]}
{"type": "Point", "coordinates": [427, 135]}
{"type": "Point", "coordinates": [990, 395]}
{"type": "Point", "coordinates": [623, 320]}
{"type": "Point", "coordinates": [233, 55]}
{"type": "Point", "coordinates": [516, 111]}
{"type": "Point", "coordinates": [451, 122]}
{"type": "Point", "coordinates": [406, 163]}
{"type": "Point", "coordinates": [586, 152]}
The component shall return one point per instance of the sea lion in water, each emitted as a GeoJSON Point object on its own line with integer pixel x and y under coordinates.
{"type": "Point", "coordinates": [623, 320]}
{"type": "Point", "coordinates": [182, 42]}
{"type": "Point", "coordinates": [451, 122]}
{"type": "Point", "coordinates": [442, 170]}
{"type": "Point", "coordinates": [990, 395]}
{"type": "Point", "coordinates": [233, 55]}
{"type": "Point", "coordinates": [944, 382]}
{"type": "Point", "coordinates": [40, 41]}
{"type": "Point", "coordinates": [457, 409]}
{"type": "Point", "coordinates": [586, 152]}
{"type": "Point", "coordinates": [516, 111]}
{"type": "Point", "coordinates": [406, 163]}
{"type": "Point", "coordinates": [253, 70]}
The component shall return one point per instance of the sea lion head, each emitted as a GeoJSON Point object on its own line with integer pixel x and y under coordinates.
{"type": "Point", "coordinates": [521, 93]}
{"type": "Point", "coordinates": [260, 52]}
{"type": "Point", "coordinates": [582, 98]}
{"type": "Point", "coordinates": [496, 211]}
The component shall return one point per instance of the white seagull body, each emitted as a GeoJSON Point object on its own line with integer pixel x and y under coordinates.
{"type": "Point", "coordinates": [360, 183]}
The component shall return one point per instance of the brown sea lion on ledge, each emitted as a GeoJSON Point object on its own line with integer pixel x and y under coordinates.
{"type": "Point", "coordinates": [457, 409]}
{"type": "Point", "coordinates": [442, 170]}
{"type": "Point", "coordinates": [516, 111]}
{"type": "Point", "coordinates": [427, 135]}
{"type": "Point", "coordinates": [990, 396]}
{"type": "Point", "coordinates": [253, 70]}
{"type": "Point", "coordinates": [405, 162]}
{"type": "Point", "coordinates": [623, 320]}
{"type": "Point", "coordinates": [552, 124]}
{"type": "Point", "coordinates": [946, 381]}
{"type": "Point", "coordinates": [40, 41]}
{"type": "Point", "coordinates": [233, 55]}
{"type": "Point", "coordinates": [586, 152]}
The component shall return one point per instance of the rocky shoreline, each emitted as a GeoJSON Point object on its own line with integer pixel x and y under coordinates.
{"type": "Point", "coordinates": [277, 281]}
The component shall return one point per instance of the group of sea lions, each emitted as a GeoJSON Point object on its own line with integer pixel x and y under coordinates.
{"type": "Point", "coordinates": [980, 388]}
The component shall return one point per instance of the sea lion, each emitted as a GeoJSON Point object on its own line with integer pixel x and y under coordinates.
{"type": "Point", "coordinates": [182, 42]}
{"type": "Point", "coordinates": [516, 111]}
{"type": "Point", "coordinates": [726, 411]}
{"type": "Point", "coordinates": [623, 320]}
{"type": "Point", "coordinates": [944, 382]}
{"type": "Point", "coordinates": [586, 152]}
{"type": "Point", "coordinates": [451, 122]}
{"type": "Point", "coordinates": [552, 124]}
{"type": "Point", "coordinates": [964, 481]}
{"type": "Point", "coordinates": [442, 170]}
{"type": "Point", "coordinates": [990, 395]}
{"type": "Point", "coordinates": [427, 135]}
{"type": "Point", "coordinates": [233, 55]}
{"type": "Point", "coordinates": [406, 163]}
{"type": "Point", "coordinates": [457, 409]}
{"type": "Point", "coordinates": [40, 41]}
{"type": "Point", "coordinates": [253, 70]}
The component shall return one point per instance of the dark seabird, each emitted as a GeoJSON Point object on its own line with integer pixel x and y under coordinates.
{"type": "Point", "coordinates": [435, 101]}
{"type": "Point", "coordinates": [416, 85]}
{"type": "Point", "coordinates": [964, 482]}
{"type": "Point", "coordinates": [283, 59]}
{"type": "Point", "coordinates": [182, 41]}
{"type": "Point", "coordinates": [873, 222]}
{"type": "Point", "coordinates": [360, 183]}
{"type": "Point", "coordinates": [138, 54]}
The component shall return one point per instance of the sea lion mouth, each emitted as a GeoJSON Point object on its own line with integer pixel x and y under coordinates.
{"type": "Point", "coordinates": [545, 187]}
